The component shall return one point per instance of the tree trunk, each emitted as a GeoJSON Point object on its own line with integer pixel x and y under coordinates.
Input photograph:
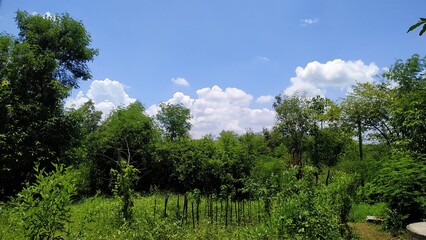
{"type": "Point", "coordinates": [328, 177]}
{"type": "Point", "coordinates": [361, 156]}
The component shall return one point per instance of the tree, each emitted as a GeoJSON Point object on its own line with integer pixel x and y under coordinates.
{"type": "Point", "coordinates": [37, 70]}
{"type": "Point", "coordinates": [326, 140]}
{"type": "Point", "coordinates": [85, 121]}
{"type": "Point", "coordinates": [174, 118]}
{"type": "Point", "coordinates": [293, 123]}
{"type": "Point", "coordinates": [368, 108]}
{"type": "Point", "coordinates": [127, 131]}
{"type": "Point", "coordinates": [409, 108]}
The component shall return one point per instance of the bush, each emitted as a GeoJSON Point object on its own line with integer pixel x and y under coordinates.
{"type": "Point", "coordinates": [305, 210]}
{"type": "Point", "coordinates": [43, 206]}
{"type": "Point", "coordinates": [401, 183]}
{"type": "Point", "coordinates": [125, 178]}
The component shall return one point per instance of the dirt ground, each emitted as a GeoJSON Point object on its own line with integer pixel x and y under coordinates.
{"type": "Point", "coordinates": [368, 231]}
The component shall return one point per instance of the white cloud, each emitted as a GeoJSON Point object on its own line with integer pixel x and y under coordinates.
{"type": "Point", "coordinates": [47, 15]}
{"type": "Point", "coordinates": [265, 99]}
{"type": "Point", "coordinates": [180, 81]}
{"type": "Point", "coordinates": [309, 21]}
{"type": "Point", "coordinates": [262, 59]}
{"type": "Point", "coordinates": [316, 77]}
{"type": "Point", "coordinates": [106, 95]}
{"type": "Point", "coordinates": [215, 109]}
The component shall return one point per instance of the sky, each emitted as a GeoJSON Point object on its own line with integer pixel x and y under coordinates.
{"type": "Point", "coordinates": [226, 60]}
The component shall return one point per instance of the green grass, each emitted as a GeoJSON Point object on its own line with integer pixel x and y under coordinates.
{"type": "Point", "coordinates": [96, 218]}
{"type": "Point", "coordinates": [360, 211]}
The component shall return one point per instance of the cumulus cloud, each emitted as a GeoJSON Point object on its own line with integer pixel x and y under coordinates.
{"type": "Point", "coordinates": [316, 77]}
{"type": "Point", "coordinates": [47, 15]}
{"type": "Point", "coordinates": [309, 21]}
{"type": "Point", "coordinates": [216, 109]}
{"type": "Point", "coordinates": [265, 99]}
{"type": "Point", "coordinates": [106, 95]}
{"type": "Point", "coordinates": [180, 81]}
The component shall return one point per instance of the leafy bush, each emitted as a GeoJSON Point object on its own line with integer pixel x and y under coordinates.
{"type": "Point", "coordinates": [43, 206]}
{"type": "Point", "coordinates": [125, 178]}
{"type": "Point", "coordinates": [305, 210]}
{"type": "Point", "coordinates": [401, 183]}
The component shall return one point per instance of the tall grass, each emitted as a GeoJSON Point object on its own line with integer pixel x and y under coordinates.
{"type": "Point", "coordinates": [360, 211]}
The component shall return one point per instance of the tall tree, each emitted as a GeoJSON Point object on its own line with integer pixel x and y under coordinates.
{"type": "Point", "coordinates": [126, 134]}
{"type": "Point", "coordinates": [327, 140]}
{"type": "Point", "coordinates": [368, 107]}
{"type": "Point", "coordinates": [37, 70]}
{"type": "Point", "coordinates": [409, 109]}
{"type": "Point", "coordinates": [293, 123]}
{"type": "Point", "coordinates": [174, 118]}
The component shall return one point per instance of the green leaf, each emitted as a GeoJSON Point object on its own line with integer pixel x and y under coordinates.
{"type": "Point", "coordinates": [423, 30]}
{"type": "Point", "coordinates": [416, 25]}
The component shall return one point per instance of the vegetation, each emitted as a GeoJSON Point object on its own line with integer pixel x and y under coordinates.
{"type": "Point", "coordinates": [63, 172]}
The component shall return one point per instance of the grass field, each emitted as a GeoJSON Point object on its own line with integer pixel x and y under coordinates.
{"type": "Point", "coordinates": [96, 218]}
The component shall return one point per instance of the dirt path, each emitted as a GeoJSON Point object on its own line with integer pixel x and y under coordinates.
{"type": "Point", "coordinates": [367, 231]}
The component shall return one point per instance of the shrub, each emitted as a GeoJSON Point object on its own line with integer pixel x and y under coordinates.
{"type": "Point", "coordinates": [43, 206]}
{"type": "Point", "coordinates": [307, 211]}
{"type": "Point", "coordinates": [125, 178]}
{"type": "Point", "coordinates": [401, 183]}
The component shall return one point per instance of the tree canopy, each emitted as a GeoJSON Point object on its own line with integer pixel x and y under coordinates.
{"type": "Point", "coordinates": [37, 70]}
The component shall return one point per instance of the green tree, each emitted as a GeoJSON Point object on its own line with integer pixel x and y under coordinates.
{"type": "Point", "coordinates": [37, 70]}
{"type": "Point", "coordinates": [174, 119]}
{"type": "Point", "coordinates": [85, 121]}
{"type": "Point", "coordinates": [127, 131]}
{"type": "Point", "coordinates": [409, 109]}
{"type": "Point", "coordinates": [368, 108]}
{"type": "Point", "coordinates": [293, 123]}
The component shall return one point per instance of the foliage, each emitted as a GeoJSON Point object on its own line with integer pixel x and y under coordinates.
{"type": "Point", "coordinates": [84, 121]}
{"type": "Point", "coordinates": [293, 123]}
{"type": "Point", "coordinates": [125, 177]}
{"type": "Point", "coordinates": [421, 22]}
{"type": "Point", "coordinates": [37, 70]}
{"type": "Point", "coordinates": [370, 106]}
{"type": "Point", "coordinates": [174, 118]}
{"type": "Point", "coordinates": [309, 211]}
{"type": "Point", "coordinates": [401, 183]}
{"type": "Point", "coordinates": [44, 205]}
{"type": "Point", "coordinates": [409, 114]}
{"type": "Point", "coordinates": [127, 131]}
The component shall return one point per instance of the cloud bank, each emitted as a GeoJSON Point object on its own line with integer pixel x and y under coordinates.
{"type": "Point", "coordinates": [106, 94]}
{"type": "Point", "coordinates": [213, 110]}
{"type": "Point", "coordinates": [316, 77]}
{"type": "Point", "coordinates": [216, 109]}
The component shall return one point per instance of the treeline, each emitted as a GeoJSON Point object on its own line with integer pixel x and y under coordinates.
{"type": "Point", "coordinates": [49, 57]}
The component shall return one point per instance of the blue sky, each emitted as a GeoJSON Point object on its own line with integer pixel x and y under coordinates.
{"type": "Point", "coordinates": [226, 59]}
